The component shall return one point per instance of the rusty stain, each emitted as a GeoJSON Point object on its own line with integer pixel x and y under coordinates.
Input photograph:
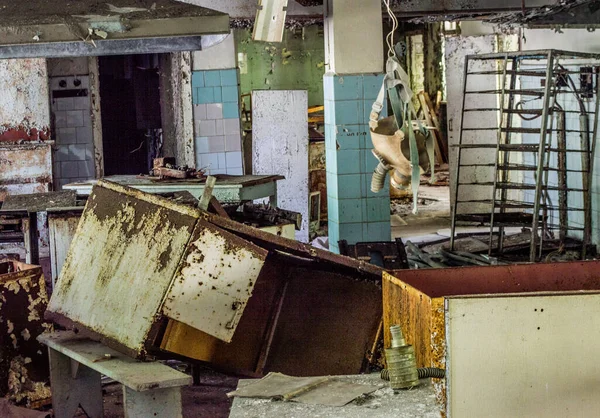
{"type": "Point", "coordinates": [22, 133]}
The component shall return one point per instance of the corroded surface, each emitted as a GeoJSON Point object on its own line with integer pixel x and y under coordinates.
{"type": "Point", "coordinates": [24, 375]}
{"type": "Point", "coordinates": [215, 280]}
{"type": "Point", "coordinates": [301, 320]}
{"type": "Point", "coordinates": [422, 320]}
{"type": "Point", "coordinates": [25, 169]}
{"type": "Point", "coordinates": [121, 262]}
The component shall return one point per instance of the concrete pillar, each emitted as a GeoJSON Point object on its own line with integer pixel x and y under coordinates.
{"type": "Point", "coordinates": [354, 54]}
{"type": "Point", "coordinates": [216, 98]}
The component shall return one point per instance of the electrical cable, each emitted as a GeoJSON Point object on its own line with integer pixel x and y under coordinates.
{"type": "Point", "coordinates": [389, 39]}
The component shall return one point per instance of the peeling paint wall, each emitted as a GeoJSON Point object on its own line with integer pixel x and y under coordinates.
{"type": "Point", "coordinates": [283, 148]}
{"type": "Point", "coordinates": [24, 102]}
{"type": "Point", "coordinates": [24, 115]}
{"type": "Point", "coordinates": [297, 63]}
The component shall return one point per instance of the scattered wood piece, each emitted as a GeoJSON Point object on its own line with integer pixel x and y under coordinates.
{"type": "Point", "coordinates": [427, 113]}
{"type": "Point", "coordinates": [275, 216]}
{"type": "Point", "coordinates": [217, 208]}
{"type": "Point", "coordinates": [443, 142]}
{"type": "Point", "coordinates": [207, 194]}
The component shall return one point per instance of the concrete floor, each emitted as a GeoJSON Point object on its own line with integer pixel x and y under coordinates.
{"type": "Point", "coordinates": [383, 403]}
{"type": "Point", "coordinates": [433, 214]}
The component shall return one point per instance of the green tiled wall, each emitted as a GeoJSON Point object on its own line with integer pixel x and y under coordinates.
{"type": "Point", "coordinates": [355, 213]}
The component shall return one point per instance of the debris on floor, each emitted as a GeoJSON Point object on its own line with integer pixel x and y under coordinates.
{"type": "Point", "coordinates": [382, 403]}
{"type": "Point", "coordinates": [326, 390]}
{"type": "Point", "coordinates": [39, 202]}
{"type": "Point", "coordinates": [418, 258]}
{"type": "Point", "coordinates": [166, 168]}
{"type": "Point", "coordinates": [390, 255]}
{"type": "Point", "coordinates": [274, 216]}
{"type": "Point", "coordinates": [7, 410]}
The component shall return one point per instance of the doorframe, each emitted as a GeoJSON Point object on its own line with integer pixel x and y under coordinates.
{"type": "Point", "coordinates": [176, 109]}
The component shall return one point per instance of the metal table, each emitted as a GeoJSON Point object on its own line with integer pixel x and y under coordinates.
{"type": "Point", "coordinates": [228, 189]}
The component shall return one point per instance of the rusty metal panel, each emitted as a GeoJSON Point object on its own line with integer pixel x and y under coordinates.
{"type": "Point", "coordinates": [24, 375]}
{"type": "Point", "coordinates": [415, 299]}
{"type": "Point", "coordinates": [301, 320]}
{"type": "Point", "coordinates": [120, 264]}
{"type": "Point", "coordinates": [25, 168]}
{"type": "Point", "coordinates": [247, 350]}
{"type": "Point", "coordinates": [214, 282]}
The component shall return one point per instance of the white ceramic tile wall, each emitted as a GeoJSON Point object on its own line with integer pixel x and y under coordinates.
{"type": "Point", "coordinates": [74, 149]}
{"type": "Point", "coordinates": [218, 145]}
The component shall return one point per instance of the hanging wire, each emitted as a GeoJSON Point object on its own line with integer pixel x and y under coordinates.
{"type": "Point", "coordinates": [389, 39]}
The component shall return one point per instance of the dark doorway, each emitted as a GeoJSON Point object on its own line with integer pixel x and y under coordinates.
{"type": "Point", "coordinates": [131, 112]}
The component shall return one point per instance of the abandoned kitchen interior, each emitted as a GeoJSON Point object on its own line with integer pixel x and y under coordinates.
{"type": "Point", "coordinates": [283, 208]}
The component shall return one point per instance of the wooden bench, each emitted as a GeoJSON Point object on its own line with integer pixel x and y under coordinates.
{"type": "Point", "coordinates": [76, 366]}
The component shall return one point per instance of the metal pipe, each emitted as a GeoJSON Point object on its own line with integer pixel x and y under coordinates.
{"type": "Point", "coordinates": [423, 372]}
{"type": "Point", "coordinates": [585, 167]}
{"type": "Point", "coordinates": [541, 154]}
{"type": "Point", "coordinates": [457, 165]}
{"type": "Point", "coordinates": [562, 176]}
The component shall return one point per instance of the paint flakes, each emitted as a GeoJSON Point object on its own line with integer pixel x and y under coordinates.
{"type": "Point", "coordinates": [26, 335]}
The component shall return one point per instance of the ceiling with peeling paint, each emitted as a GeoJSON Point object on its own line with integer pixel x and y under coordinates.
{"type": "Point", "coordinates": [18, 13]}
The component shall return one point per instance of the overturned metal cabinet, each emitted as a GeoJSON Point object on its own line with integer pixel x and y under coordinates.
{"type": "Point", "coordinates": [515, 340]}
{"type": "Point", "coordinates": [150, 276]}
{"type": "Point", "coordinates": [24, 375]}
{"type": "Point", "coordinates": [137, 258]}
{"type": "Point", "coordinates": [312, 312]}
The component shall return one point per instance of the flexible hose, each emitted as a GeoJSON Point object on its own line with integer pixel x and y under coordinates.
{"type": "Point", "coordinates": [424, 373]}
{"type": "Point", "coordinates": [378, 179]}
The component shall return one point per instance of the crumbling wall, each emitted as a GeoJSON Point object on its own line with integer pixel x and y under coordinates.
{"type": "Point", "coordinates": [433, 54]}
{"type": "Point", "coordinates": [24, 117]}
{"type": "Point", "coordinates": [24, 102]}
{"type": "Point", "coordinates": [296, 63]}
{"type": "Point", "coordinates": [216, 107]}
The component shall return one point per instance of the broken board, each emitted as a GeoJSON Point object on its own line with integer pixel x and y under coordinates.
{"type": "Point", "coordinates": [126, 264]}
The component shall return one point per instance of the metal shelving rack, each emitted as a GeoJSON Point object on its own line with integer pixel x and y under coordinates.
{"type": "Point", "coordinates": [525, 148]}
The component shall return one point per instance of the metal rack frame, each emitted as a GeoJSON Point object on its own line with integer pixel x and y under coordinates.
{"type": "Point", "coordinates": [532, 213]}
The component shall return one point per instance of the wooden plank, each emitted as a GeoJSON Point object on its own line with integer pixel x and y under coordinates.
{"type": "Point", "coordinates": [69, 391]}
{"type": "Point", "coordinates": [427, 113]}
{"type": "Point", "coordinates": [207, 193]}
{"type": "Point", "coordinates": [136, 375]}
{"type": "Point", "coordinates": [443, 143]}
{"type": "Point", "coordinates": [216, 206]}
